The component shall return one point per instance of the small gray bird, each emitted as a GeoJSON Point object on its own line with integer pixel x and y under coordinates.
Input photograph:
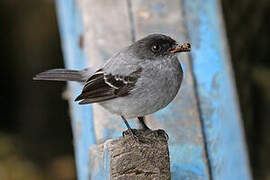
{"type": "Point", "coordinates": [139, 80]}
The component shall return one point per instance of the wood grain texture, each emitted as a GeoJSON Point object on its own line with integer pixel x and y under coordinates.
{"type": "Point", "coordinates": [132, 160]}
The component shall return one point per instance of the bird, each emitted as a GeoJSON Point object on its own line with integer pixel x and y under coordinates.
{"type": "Point", "coordinates": [139, 80]}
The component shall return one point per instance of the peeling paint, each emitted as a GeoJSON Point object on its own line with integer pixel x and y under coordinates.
{"type": "Point", "coordinates": [216, 92]}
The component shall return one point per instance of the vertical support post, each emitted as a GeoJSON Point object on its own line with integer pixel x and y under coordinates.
{"type": "Point", "coordinates": [71, 29]}
{"type": "Point", "coordinates": [215, 89]}
{"type": "Point", "coordinates": [124, 158]}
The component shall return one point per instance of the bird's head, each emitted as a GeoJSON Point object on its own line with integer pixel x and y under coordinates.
{"type": "Point", "coordinates": [157, 45]}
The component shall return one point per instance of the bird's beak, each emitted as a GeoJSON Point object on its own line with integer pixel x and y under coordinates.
{"type": "Point", "coordinates": [186, 47]}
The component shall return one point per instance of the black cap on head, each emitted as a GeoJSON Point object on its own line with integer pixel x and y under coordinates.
{"type": "Point", "coordinates": [153, 46]}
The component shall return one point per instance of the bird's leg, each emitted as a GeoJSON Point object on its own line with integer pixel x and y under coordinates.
{"type": "Point", "coordinates": [135, 137]}
{"type": "Point", "coordinates": [144, 126]}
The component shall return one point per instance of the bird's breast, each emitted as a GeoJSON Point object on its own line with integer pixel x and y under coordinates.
{"type": "Point", "coordinates": [158, 85]}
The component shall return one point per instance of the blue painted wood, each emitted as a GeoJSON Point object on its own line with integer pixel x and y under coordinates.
{"type": "Point", "coordinates": [180, 119]}
{"type": "Point", "coordinates": [216, 91]}
{"type": "Point", "coordinates": [70, 25]}
{"type": "Point", "coordinates": [105, 34]}
{"type": "Point", "coordinates": [99, 162]}
{"type": "Point", "coordinates": [216, 97]}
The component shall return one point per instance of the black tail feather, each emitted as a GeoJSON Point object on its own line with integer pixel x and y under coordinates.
{"type": "Point", "coordinates": [60, 75]}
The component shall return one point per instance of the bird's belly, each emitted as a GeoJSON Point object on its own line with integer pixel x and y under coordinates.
{"type": "Point", "coordinates": [135, 106]}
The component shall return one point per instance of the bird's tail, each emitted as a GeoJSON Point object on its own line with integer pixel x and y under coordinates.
{"type": "Point", "coordinates": [60, 75]}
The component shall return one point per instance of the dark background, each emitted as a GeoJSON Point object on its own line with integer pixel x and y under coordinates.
{"type": "Point", "coordinates": [35, 132]}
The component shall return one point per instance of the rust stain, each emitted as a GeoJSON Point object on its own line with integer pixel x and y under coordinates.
{"type": "Point", "coordinates": [81, 42]}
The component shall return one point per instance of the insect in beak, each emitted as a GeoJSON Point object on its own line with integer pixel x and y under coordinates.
{"type": "Point", "coordinates": [186, 47]}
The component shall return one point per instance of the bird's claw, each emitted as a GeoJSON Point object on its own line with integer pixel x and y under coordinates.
{"type": "Point", "coordinates": [136, 137]}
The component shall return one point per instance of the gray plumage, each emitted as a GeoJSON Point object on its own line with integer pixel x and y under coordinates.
{"type": "Point", "coordinates": [158, 84]}
{"type": "Point", "coordinates": [139, 80]}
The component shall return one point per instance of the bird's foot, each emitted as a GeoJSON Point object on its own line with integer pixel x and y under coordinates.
{"type": "Point", "coordinates": [135, 135]}
{"type": "Point", "coordinates": [146, 136]}
{"type": "Point", "coordinates": [160, 132]}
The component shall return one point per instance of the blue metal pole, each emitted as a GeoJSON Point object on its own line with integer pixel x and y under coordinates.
{"type": "Point", "coordinates": [71, 28]}
{"type": "Point", "coordinates": [215, 88]}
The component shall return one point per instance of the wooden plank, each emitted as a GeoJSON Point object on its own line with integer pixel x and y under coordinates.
{"type": "Point", "coordinates": [216, 90]}
{"type": "Point", "coordinates": [106, 31]}
{"type": "Point", "coordinates": [181, 118]}
{"type": "Point", "coordinates": [71, 28]}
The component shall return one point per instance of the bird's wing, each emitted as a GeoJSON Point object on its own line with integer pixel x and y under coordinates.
{"type": "Point", "coordinates": [104, 86]}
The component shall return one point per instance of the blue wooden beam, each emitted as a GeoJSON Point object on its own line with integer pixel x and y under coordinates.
{"type": "Point", "coordinates": [71, 28]}
{"type": "Point", "coordinates": [180, 119]}
{"type": "Point", "coordinates": [215, 88]}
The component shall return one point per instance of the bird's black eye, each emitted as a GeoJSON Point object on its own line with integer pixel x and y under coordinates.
{"type": "Point", "coordinates": [156, 48]}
